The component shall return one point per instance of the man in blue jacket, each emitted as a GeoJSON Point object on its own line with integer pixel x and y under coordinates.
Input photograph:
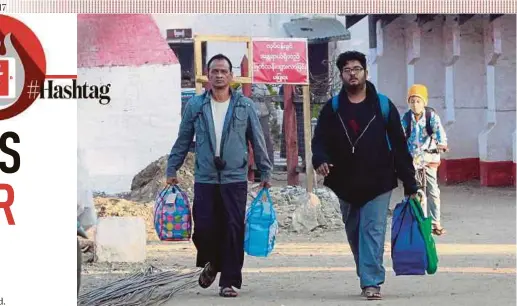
{"type": "Point", "coordinates": [223, 121]}
{"type": "Point", "coordinates": [360, 148]}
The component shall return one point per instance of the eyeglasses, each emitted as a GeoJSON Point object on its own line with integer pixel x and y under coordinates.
{"type": "Point", "coordinates": [355, 70]}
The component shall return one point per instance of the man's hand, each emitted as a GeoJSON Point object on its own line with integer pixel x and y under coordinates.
{"type": "Point", "coordinates": [265, 184]}
{"type": "Point", "coordinates": [443, 148]}
{"type": "Point", "coordinates": [172, 181]}
{"type": "Point", "coordinates": [324, 169]}
{"type": "Point", "coordinates": [415, 196]}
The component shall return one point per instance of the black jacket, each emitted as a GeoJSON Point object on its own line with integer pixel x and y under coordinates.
{"type": "Point", "coordinates": [372, 169]}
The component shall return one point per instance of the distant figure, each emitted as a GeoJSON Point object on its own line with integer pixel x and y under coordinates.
{"type": "Point", "coordinates": [266, 111]}
{"type": "Point", "coordinates": [222, 121]}
{"type": "Point", "coordinates": [426, 139]}
{"type": "Point", "coordinates": [360, 148]}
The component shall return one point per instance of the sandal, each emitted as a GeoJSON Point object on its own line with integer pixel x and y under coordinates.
{"type": "Point", "coordinates": [439, 231]}
{"type": "Point", "coordinates": [228, 292]}
{"type": "Point", "coordinates": [372, 293]}
{"type": "Point", "coordinates": [207, 277]}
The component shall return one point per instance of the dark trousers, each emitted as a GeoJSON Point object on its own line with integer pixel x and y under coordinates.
{"type": "Point", "coordinates": [218, 213]}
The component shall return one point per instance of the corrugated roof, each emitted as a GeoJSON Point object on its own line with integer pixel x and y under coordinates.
{"type": "Point", "coordinates": [317, 30]}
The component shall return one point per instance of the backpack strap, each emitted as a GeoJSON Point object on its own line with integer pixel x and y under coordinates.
{"type": "Point", "coordinates": [385, 106]}
{"type": "Point", "coordinates": [385, 110]}
{"type": "Point", "coordinates": [407, 120]}
{"type": "Point", "coordinates": [335, 103]}
{"type": "Point", "coordinates": [428, 127]}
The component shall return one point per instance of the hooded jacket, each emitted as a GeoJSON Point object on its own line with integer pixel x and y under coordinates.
{"type": "Point", "coordinates": [241, 125]}
{"type": "Point", "coordinates": [364, 166]}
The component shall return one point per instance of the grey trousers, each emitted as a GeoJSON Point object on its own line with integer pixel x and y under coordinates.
{"type": "Point", "coordinates": [433, 194]}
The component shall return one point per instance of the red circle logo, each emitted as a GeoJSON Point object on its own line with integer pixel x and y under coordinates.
{"type": "Point", "coordinates": [22, 67]}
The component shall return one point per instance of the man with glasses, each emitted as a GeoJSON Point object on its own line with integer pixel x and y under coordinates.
{"type": "Point", "coordinates": [360, 148]}
{"type": "Point", "coordinates": [223, 121]}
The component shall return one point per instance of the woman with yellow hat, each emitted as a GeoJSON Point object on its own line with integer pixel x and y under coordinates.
{"type": "Point", "coordinates": [426, 138]}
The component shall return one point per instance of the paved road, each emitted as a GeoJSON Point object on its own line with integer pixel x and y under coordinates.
{"type": "Point", "coordinates": [477, 263]}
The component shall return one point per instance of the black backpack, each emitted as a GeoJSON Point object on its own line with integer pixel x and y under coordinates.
{"type": "Point", "coordinates": [428, 127]}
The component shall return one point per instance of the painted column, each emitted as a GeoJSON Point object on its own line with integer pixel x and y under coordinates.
{"type": "Point", "coordinates": [413, 36]}
{"type": "Point", "coordinates": [375, 53]}
{"type": "Point", "coordinates": [451, 37]}
{"type": "Point", "coordinates": [494, 141]}
{"type": "Point", "coordinates": [514, 158]}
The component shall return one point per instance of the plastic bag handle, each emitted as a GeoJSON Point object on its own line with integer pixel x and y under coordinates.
{"type": "Point", "coordinates": [417, 209]}
{"type": "Point", "coordinates": [175, 189]}
{"type": "Point", "coordinates": [258, 200]}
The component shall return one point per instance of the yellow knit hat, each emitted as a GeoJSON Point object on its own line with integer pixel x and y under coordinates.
{"type": "Point", "coordinates": [418, 90]}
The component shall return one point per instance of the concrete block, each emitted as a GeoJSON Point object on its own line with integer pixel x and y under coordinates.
{"type": "Point", "coordinates": [120, 239]}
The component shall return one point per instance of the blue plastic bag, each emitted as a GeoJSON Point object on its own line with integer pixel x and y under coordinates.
{"type": "Point", "coordinates": [408, 249]}
{"type": "Point", "coordinates": [261, 226]}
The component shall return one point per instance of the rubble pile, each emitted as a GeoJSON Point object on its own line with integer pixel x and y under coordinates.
{"type": "Point", "coordinates": [151, 180]}
{"type": "Point", "coordinates": [300, 212]}
{"type": "Point", "coordinates": [297, 211]}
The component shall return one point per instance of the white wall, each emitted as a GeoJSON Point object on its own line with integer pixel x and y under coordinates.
{"type": "Point", "coordinates": [136, 128]}
{"type": "Point", "coordinates": [392, 67]}
{"type": "Point", "coordinates": [469, 91]}
{"type": "Point", "coordinates": [505, 80]}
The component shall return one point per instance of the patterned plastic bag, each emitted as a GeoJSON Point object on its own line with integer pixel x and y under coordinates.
{"type": "Point", "coordinates": [172, 215]}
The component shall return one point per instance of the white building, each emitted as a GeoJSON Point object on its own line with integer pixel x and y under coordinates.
{"type": "Point", "coordinates": [141, 122]}
{"type": "Point", "coordinates": [468, 65]}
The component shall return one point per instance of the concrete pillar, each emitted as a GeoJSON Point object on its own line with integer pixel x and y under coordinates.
{"type": "Point", "coordinates": [375, 54]}
{"type": "Point", "coordinates": [456, 167]}
{"type": "Point", "coordinates": [391, 62]}
{"type": "Point", "coordinates": [495, 141]}
{"type": "Point", "coordinates": [413, 36]}
{"type": "Point", "coordinates": [514, 158]}
{"type": "Point", "coordinates": [464, 88]}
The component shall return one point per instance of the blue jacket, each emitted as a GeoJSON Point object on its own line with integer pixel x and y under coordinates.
{"type": "Point", "coordinates": [241, 124]}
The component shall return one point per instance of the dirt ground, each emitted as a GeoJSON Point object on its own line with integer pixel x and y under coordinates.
{"type": "Point", "coordinates": [477, 262]}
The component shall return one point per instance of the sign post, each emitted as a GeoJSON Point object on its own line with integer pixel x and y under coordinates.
{"type": "Point", "coordinates": [280, 61]}
{"type": "Point", "coordinates": [285, 61]}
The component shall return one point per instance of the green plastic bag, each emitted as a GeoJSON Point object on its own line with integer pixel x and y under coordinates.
{"type": "Point", "coordinates": [426, 229]}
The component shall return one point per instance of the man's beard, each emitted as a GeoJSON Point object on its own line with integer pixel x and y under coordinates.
{"type": "Point", "coordinates": [355, 88]}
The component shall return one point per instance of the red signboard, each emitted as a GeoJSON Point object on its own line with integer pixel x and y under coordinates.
{"type": "Point", "coordinates": [280, 61]}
